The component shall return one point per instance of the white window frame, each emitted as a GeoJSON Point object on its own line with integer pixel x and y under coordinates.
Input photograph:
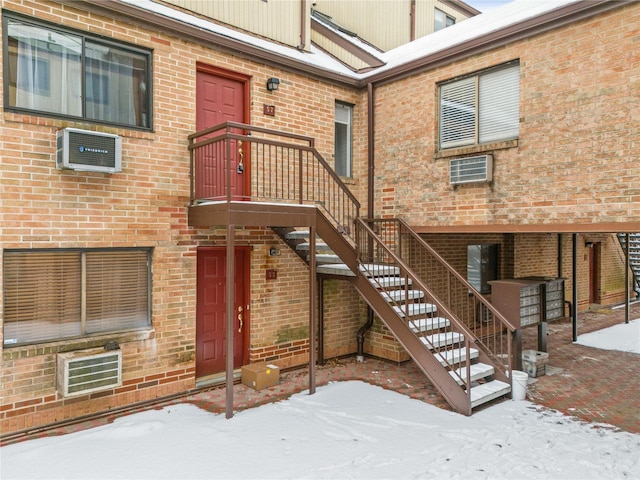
{"type": "Point", "coordinates": [442, 20]}
{"type": "Point", "coordinates": [57, 294]}
{"type": "Point", "coordinates": [343, 139]}
{"type": "Point", "coordinates": [480, 108]}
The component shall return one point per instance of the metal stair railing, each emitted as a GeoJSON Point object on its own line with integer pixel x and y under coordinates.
{"type": "Point", "coordinates": [282, 168]}
{"type": "Point", "coordinates": [634, 256]}
{"type": "Point", "coordinates": [469, 312]}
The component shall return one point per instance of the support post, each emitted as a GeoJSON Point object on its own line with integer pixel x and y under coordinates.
{"type": "Point", "coordinates": [574, 277]}
{"type": "Point", "coordinates": [312, 310]}
{"type": "Point", "coordinates": [320, 281]}
{"type": "Point", "coordinates": [627, 305]}
{"type": "Point", "coordinates": [230, 318]}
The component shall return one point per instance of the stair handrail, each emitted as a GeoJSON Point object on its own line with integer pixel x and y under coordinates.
{"type": "Point", "coordinates": [304, 176]}
{"type": "Point", "coordinates": [441, 303]}
{"type": "Point", "coordinates": [416, 281]}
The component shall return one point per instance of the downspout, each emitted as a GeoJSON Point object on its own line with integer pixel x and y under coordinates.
{"type": "Point", "coordinates": [370, 199]}
{"type": "Point", "coordinates": [412, 20]}
{"type": "Point", "coordinates": [370, 153]}
{"type": "Point", "coordinates": [303, 25]}
{"type": "Point", "coordinates": [361, 331]}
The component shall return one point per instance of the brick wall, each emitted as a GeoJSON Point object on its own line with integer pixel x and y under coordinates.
{"type": "Point", "coordinates": [574, 161]}
{"type": "Point", "coordinates": [146, 205]}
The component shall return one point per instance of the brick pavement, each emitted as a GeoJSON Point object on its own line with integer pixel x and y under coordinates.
{"type": "Point", "coordinates": [598, 386]}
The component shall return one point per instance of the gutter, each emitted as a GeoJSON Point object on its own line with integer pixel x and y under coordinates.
{"type": "Point", "coordinates": [527, 28]}
{"type": "Point", "coordinates": [556, 18]}
{"type": "Point", "coordinates": [214, 40]}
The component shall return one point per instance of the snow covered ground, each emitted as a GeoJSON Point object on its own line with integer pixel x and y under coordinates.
{"type": "Point", "coordinates": [346, 430]}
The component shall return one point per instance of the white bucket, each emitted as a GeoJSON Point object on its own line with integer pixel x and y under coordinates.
{"type": "Point", "coordinates": [519, 385]}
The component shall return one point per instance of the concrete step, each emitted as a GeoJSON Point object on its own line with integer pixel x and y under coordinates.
{"type": "Point", "coordinates": [379, 270]}
{"type": "Point", "coordinates": [477, 371]}
{"type": "Point", "coordinates": [413, 309]}
{"type": "Point", "coordinates": [298, 234]}
{"type": "Point", "coordinates": [320, 247]}
{"type": "Point", "coordinates": [455, 355]}
{"type": "Point", "coordinates": [485, 392]}
{"type": "Point", "coordinates": [402, 295]}
{"type": "Point", "coordinates": [390, 282]}
{"type": "Point", "coordinates": [427, 324]}
{"type": "Point", "coordinates": [323, 258]}
{"type": "Point", "coordinates": [442, 339]}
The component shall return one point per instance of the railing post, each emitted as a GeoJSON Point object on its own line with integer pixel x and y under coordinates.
{"type": "Point", "coordinates": [300, 177]}
{"type": "Point", "coordinates": [228, 165]}
{"type": "Point", "coordinates": [192, 169]}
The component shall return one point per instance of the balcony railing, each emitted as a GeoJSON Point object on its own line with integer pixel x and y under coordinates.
{"type": "Point", "coordinates": [238, 162]}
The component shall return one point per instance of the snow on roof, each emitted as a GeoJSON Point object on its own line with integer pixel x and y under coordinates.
{"type": "Point", "coordinates": [509, 14]}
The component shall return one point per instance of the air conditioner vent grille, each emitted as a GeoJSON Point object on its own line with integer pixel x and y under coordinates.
{"type": "Point", "coordinates": [88, 371]}
{"type": "Point", "coordinates": [471, 169]}
{"type": "Point", "coordinates": [84, 150]}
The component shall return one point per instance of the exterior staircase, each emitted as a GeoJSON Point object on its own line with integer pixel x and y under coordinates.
{"type": "Point", "coordinates": [454, 335]}
{"type": "Point", "coordinates": [634, 256]}
{"type": "Point", "coordinates": [466, 372]}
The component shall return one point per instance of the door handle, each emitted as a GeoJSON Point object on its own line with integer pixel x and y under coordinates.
{"type": "Point", "coordinates": [241, 322]}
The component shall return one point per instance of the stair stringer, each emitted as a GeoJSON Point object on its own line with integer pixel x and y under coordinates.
{"type": "Point", "coordinates": [456, 396]}
{"type": "Point", "coordinates": [421, 355]}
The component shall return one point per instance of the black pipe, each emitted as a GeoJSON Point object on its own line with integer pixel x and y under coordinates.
{"type": "Point", "coordinates": [361, 332]}
{"type": "Point", "coordinates": [574, 274]}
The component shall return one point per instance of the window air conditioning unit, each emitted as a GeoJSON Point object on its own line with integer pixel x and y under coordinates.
{"type": "Point", "coordinates": [87, 151]}
{"type": "Point", "coordinates": [87, 371]}
{"type": "Point", "coordinates": [471, 170]}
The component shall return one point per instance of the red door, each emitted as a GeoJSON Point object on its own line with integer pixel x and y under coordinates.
{"type": "Point", "coordinates": [220, 99]}
{"type": "Point", "coordinates": [211, 310]}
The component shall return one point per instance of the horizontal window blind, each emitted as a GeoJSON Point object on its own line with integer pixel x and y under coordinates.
{"type": "Point", "coordinates": [116, 291]}
{"type": "Point", "coordinates": [41, 296]}
{"type": "Point", "coordinates": [57, 294]}
{"type": "Point", "coordinates": [458, 113]}
{"type": "Point", "coordinates": [499, 105]}
{"type": "Point", "coordinates": [480, 109]}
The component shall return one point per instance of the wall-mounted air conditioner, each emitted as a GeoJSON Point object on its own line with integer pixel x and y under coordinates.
{"type": "Point", "coordinates": [471, 169]}
{"type": "Point", "coordinates": [88, 151]}
{"type": "Point", "coordinates": [87, 371]}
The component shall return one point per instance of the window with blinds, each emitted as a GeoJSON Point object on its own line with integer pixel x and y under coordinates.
{"type": "Point", "coordinates": [480, 109]}
{"type": "Point", "coordinates": [57, 294]}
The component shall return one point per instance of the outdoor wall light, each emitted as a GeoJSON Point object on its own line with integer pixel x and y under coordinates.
{"type": "Point", "coordinates": [273, 83]}
{"type": "Point", "coordinates": [274, 252]}
{"type": "Point", "coordinates": [588, 244]}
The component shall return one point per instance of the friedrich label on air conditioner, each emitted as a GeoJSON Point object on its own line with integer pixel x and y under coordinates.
{"type": "Point", "coordinates": [83, 149]}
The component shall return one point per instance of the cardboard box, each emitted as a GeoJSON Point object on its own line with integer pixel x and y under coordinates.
{"type": "Point", "coordinates": [534, 362]}
{"type": "Point", "coordinates": [260, 375]}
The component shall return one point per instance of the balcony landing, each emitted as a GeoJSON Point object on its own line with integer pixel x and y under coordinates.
{"type": "Point", "coordinates": [260, 214]}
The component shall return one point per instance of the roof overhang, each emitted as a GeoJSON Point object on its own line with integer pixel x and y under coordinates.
{"type": "Point", "coordinates": [549, 20]}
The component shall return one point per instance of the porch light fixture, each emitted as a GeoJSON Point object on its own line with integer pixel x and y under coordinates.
{"type": "Point", "coordinates": [272, 84]}
{"type": "Point", "coordinates": [274, 252]}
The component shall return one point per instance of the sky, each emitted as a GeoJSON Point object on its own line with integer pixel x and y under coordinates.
{"type": "Point", "coordinates": [486, 5]}
{"type": "Point", "coordinates": [346, 430]}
